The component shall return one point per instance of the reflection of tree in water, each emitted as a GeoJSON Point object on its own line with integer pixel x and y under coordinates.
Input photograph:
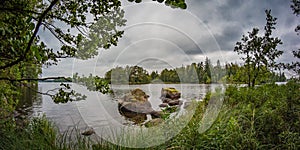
{"type": "Point", "coordinates": [28, 98]}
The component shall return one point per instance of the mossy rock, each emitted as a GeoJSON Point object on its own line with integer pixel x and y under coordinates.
{"type": "Point", "coordinates": [171, 89]}
{"type": "Point", "coordinates": [136, 95]}
{"type": "Point", "coordinates": [138, 92]}
{"type": "Point", "coordinates": [170, 92]}
{"type": "Point", "coordinates": [139, 95]}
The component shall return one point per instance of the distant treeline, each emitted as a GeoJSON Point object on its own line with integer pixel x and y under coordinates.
{"type": "Point", "coordinates": [203, 72]}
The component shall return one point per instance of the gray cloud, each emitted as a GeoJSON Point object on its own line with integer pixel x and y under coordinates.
{"type": "Point", "coordinates": [291, 39]}
{"type": "Point", "coordinates": [229, 36]}
{"type": "Point", "coordinates": [157, 36]}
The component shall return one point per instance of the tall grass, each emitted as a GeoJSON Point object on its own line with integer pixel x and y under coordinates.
{"type": "Point", "coordinates": [36, 134]}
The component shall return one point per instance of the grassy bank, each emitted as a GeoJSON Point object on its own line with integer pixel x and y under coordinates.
{"type": "Point", "coordinates": [263, 117]}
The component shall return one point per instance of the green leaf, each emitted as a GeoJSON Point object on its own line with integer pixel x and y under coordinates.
{"type": "Point", "coordinates": [183, 5]}
{"type": "Point", "coordinates": [29, 19]}
{"type": "Point", "coordinates": [31, 26]}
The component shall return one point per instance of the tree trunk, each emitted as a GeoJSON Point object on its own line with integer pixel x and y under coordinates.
{"type": "Point", "coordinates": [253, 82]}
{"type": "Point", "coordinates": [249, 80]}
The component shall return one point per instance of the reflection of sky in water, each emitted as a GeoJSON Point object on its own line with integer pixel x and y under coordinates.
{"type": "Point", "coordinates": [101, 110]}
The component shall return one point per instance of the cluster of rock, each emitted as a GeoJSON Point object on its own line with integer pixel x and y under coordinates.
{"type": "Point", "coordinates": [135, 105]}
{"type": "Point", "coordinates": [170, 97]}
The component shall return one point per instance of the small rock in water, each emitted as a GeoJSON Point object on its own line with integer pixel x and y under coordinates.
{"type": "Point", "coordinates": [88, 132]}
{"type": "Point", "coordinates": [174, 102]}
{"type": "Point", "coordinates": [163, 105]}
{"type": "Point", "coordinates": [171, 93]}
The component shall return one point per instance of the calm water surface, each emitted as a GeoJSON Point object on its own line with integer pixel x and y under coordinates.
{"type": "Point", "coordinates": [100, 110]}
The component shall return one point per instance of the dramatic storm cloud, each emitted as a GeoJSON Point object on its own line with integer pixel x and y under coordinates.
{"type": "Point", "coordinates": [157, 36]}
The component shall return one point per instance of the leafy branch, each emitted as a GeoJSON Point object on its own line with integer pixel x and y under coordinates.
{"type": "Point", "coordinates": [34, 79]}
{"type": "Point", "coordinates": [39, 23]}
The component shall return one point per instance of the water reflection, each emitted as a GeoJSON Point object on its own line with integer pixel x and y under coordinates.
{"type": "Point", "coordinates": [29, 99]}
{"type": "Point", "coordinates": [98, 109]}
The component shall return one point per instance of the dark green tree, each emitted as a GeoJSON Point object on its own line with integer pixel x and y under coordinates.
{"type": "Point", "coordinates": [117, 75]}
{"type": "Point", "coordinates": [154, 75]}
{"type": "Point", "coordinates": [192, 73]}
{"type": "Point", "coordinates": [200, 71]}
{"type": "Point", "coordinates": [138, 75]}
{"type": "Point", "coordinates": [259, 52]}
{"type": "Point", "coordinates": [170, 76]}
{"type": "Point", "coordinates": [207, 71]}
{"type": "Point", "coordinates": [217, 72]}
{"type": "Point", "coordinates": [165, 75]}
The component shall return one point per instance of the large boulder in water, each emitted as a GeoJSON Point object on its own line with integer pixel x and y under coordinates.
{"type": "Point", "coordinates": [137, 107]}
{"type": "Point", "coordinates": [135, 101]}
{"type": "Point", "coordinates": [136, 95]}
{"type": "Point", "coordinates": [170, 93]}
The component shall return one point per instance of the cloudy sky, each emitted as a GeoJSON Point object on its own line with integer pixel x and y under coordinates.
{"type": "Point", "coordinates": [157, 36]}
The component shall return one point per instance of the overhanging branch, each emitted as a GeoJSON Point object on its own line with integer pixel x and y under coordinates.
{"type": "Point", "coordinates": [35, 79]}
{"type": "Point", "coordinates": [39, 23]}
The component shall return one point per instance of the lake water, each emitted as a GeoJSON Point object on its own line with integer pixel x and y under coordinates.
{"type": "Point", "coordinates": [100, 110]}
